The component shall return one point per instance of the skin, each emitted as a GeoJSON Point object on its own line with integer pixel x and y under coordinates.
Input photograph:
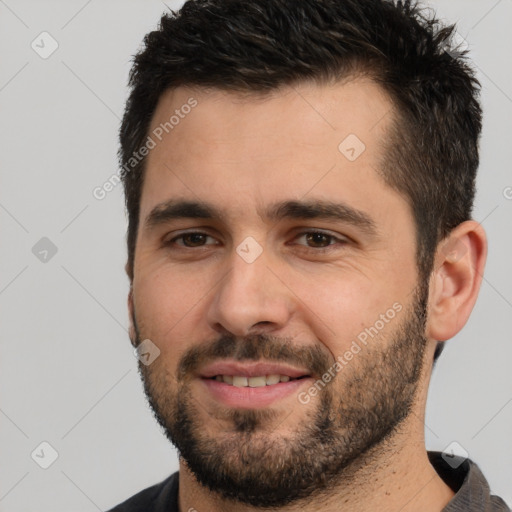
{"type": "Point", "coordinates": [242, 154]}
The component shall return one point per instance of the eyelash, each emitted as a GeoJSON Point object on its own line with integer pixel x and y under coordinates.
{"type": "Point", "coordinates": [340, 241]}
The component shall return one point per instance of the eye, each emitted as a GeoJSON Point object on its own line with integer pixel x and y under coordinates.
{"type": "Point", "coordinates": [319, 239]}
{"type": "Point", "coordinates": [190, 240]}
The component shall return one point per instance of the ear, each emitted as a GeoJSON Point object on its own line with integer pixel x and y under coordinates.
{"type": "Point", "coordinates": [455, 282]}
{"type": "Point", "coordinates": [129, 271]}
{"type": "Point", "coordinates": [132, 333]}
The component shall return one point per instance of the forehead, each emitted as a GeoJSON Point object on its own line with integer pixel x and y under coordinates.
{"type": "Point", "coordinates": [236, 150]}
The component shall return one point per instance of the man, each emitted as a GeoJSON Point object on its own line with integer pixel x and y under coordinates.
{"type": "Point", "coordinates": [299, 178]}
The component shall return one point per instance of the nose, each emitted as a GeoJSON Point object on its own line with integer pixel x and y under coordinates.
{"type": "Point", "coordinates": [250, 298]}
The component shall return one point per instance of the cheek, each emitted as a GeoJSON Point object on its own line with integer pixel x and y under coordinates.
{"type": "Point", "coordinates": [338, 309]}
{"type": "Point", "coordinates": [167, 303]}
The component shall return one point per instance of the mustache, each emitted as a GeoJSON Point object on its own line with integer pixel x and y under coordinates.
{"type": "Point", "coordinates": [254, 347]}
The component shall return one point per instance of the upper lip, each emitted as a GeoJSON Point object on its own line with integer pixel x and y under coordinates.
{"type": "Point", "coordinates": [252, 369]}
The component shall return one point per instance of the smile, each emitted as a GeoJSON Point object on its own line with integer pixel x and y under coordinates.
{"type": "Point", "coordinates": [241, 381]}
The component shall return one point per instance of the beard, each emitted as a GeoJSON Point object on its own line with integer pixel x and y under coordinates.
{"type": "Point", "coordinates": [245, 460]}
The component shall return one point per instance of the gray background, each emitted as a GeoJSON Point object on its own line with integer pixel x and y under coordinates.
{"type": "Point", "coordinates": [68, 375]}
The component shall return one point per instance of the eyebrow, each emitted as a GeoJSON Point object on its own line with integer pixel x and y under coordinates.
{"type": "Point", "coordinates": [173, 209]}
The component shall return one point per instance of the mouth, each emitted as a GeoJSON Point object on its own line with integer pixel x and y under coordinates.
{"type": "Point", "coordinates": [251, 385]}
{"type": "Point", "coordinates": [241, 381]}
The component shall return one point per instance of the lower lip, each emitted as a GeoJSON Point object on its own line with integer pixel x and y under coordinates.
{"type": "Point", "coordinates": [252, 398]}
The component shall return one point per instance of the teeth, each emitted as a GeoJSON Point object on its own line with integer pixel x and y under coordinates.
{"type": "Point", "coordinates": [257, 382]}
{"type": "Point", "coordinates": [272, 379]}
{"type": "Point", "coordinates": [253, 382]}
{"type": "Point", "coordinates": [240, 382]}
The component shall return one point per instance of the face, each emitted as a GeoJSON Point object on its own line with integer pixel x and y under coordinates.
{"type": "Point", "coordinates": [275, 272]}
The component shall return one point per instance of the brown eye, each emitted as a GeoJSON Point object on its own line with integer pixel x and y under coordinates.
{"type": "Point", "coordinates": [318, 239]}
{"type": "Point", "coordinates": [194, 239]}
{"type": "Point", "coordinates": [190, 240]}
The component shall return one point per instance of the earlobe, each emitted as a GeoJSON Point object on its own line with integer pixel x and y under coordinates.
{"type": "Point", "coordinates": [456, 279]}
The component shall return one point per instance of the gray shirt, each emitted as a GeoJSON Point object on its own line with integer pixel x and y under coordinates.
{"type": "Point", "coordinates": [462, 475]}
{"type": "Point", "coordinates": [467, 481]}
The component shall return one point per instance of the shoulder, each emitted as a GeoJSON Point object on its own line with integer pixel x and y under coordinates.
{"type": "Point", "coordinates": [157, 498]}
{"type": "Point", "coordinates": [465, 478]}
